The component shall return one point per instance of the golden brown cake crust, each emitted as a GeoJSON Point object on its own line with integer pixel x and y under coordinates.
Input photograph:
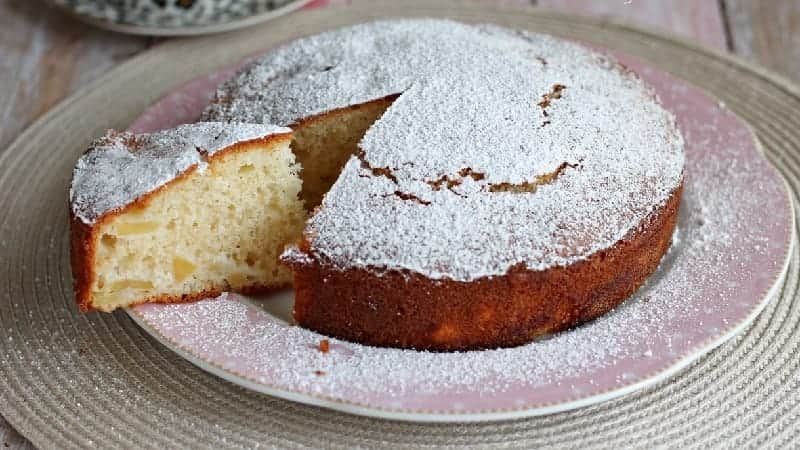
{"type": "Point", "coordinates": [83, 238]}
{"type": "Point", "coordinates": [82, 260]}
{"type": "Point", "coordinates": [412, 311]}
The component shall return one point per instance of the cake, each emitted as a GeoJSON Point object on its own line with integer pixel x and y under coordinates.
{"type": "Point", "coordinates": [467, 186]}
{"type": "Point", "coordinates": [183, 214]}
{"type": "Point", "coordinates": [495, 185]}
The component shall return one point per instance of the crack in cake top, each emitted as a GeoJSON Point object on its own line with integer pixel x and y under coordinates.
{"type": "Point", "coordinates": [503, 148]}
{"type": "Point", "coordinates": [121, 167]}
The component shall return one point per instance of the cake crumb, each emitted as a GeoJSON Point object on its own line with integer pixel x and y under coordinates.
{"type": "Point", "coordinates": [324, 346]}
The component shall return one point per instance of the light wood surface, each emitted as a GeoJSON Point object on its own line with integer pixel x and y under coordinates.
{"type": "Point", "coordinates": [45, 55]}
{"type": "Point", "coordinates": [699, 19]}
{"type": "Point", "coordinates": [767, 32]}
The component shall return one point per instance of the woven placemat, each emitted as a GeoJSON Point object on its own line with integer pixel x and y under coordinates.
{"type": "Point", "coordinates": [69, 380]}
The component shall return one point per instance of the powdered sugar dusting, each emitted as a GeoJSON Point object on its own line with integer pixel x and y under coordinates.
{"type": "Point", "coordinates": [484, 108]}
{"type": "Point", "coordinates": [712, 279]}
{"type": "Point", "coordinates": [229, 324]}
{"type": "Point", "coordinates": [121, 167]}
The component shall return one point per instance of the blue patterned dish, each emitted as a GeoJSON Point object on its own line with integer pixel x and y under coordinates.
{"type": "Point", "coordinates": [177, 17]}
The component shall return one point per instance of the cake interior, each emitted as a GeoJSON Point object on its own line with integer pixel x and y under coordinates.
{"type": "Point", "coordinates": [324, 143]}
{"type": "Point", "coordinates": [224, 228]}
{"type": "Point", "coordinates": [208, 231]}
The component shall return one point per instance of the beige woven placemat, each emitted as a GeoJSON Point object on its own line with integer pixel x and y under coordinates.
{"type": "Point", "coordinates": [72, 381]}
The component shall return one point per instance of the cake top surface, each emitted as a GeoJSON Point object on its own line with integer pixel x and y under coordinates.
{"type": "Point", "coordinates": [503, 148]}
{"type": "Point", "coordinates": [120, 167]}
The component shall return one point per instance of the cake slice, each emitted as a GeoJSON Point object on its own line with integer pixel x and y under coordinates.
{"type": "Point", "coordinates": [183, 214]}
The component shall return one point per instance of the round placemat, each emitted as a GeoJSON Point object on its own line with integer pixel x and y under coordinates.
{"type": "Point", "coordinates": [69, 380]}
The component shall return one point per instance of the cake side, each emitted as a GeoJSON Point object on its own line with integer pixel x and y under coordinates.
{"type": "Point", "coordinates": [218, 226]}
{"type": "Point", "coordinates": [392, 308]}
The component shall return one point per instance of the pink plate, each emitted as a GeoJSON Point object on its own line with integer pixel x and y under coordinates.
{"type": "Point", "coordinates": [728, 259]}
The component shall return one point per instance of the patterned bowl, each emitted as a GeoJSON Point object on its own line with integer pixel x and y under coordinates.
{"type": "Point", "coordinates": [176, 17]}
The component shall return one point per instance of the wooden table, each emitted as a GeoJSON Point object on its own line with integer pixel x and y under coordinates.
{"type": "Point", "coordinates": [46, 55]}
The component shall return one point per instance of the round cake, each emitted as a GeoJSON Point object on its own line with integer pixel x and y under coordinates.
{"type": "Point", "coordinates": [426, 184]}
{"type": "Point", "coordinates": [470, 186]}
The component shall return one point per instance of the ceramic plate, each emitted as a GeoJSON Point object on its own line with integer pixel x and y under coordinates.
{"type": "Point", "coordinates": [166, 18]}
{"type": "Point", "coordinates": [728, 259]}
